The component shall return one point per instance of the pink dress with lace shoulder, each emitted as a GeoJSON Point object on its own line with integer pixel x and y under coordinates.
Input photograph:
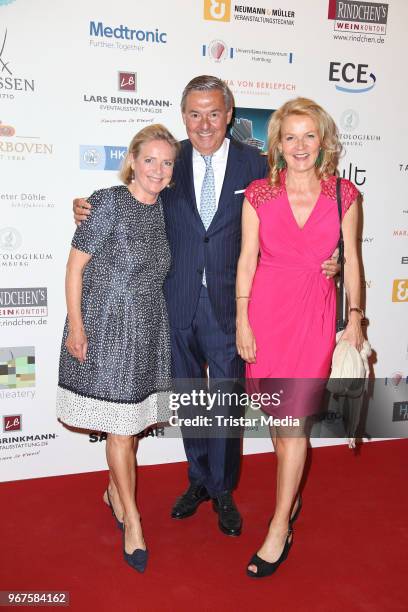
{"type": "Point", "coordinates": [292, 310]}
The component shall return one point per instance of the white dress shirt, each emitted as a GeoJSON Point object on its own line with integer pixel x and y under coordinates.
{"type": "Point", "coordinates": [219, 164]}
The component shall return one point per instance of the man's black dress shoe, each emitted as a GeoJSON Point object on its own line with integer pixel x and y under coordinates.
{"type": "Point", "coordinates": [187, 504]}
{"type": "Point", "coordinates": [229, 519]}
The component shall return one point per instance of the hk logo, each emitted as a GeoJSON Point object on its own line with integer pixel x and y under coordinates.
{"type": "Point", "coordinates": [12, 423]}
{"type": "Point", "coordinates": [127, 81]}
{"type": "Point", "coordinates": [217, 10]}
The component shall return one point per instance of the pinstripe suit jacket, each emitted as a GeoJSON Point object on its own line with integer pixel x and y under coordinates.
{"type": "Point", "coordinates": [217, 249]}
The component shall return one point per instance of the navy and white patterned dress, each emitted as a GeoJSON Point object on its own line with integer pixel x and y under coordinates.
{"type": "Point", "coordinates": [120, 388]}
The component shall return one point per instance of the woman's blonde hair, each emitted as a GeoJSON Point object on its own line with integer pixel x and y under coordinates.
{"type": "Point", "coordinates": [152, 132]}
{"type": "Point", "coordinates": [327, 129]}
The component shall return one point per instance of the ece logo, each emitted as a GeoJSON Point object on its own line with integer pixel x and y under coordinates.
{"type": "Point", "coordinates": [354, 77]}
{"type": "Point", "coordinates": [217, 10]}
{"type": "Point", "coordinates": [400, 290]}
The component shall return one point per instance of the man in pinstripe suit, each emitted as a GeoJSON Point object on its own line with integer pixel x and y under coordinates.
{"type": "Point", "coordinates": [200, 287]}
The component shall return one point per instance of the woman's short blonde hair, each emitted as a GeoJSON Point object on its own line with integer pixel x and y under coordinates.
{"type": "Point", "coordinates": [327, 129]}
{"type": "Point", "coordinates": [152, 132]}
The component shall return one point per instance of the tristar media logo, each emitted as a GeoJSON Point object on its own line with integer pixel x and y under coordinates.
{"type": "Point", "coordinates": [400, 290]}
{"type": "Point", "coordinates": [127, 81]}
{"type": "Point", "coordinates": [99, 157]}
{"type": "Point", "coordinates": [17, 367]}
{"type": "Point", "coordinates": [23, 302]}
{"type": "Point", "coordinates": [11, 83]}
{"type": "Point", "coordinates": [358, 17]}
{"type": "Point", "coordinates": [217, 10]}
{"type": "Point", "coordinates": [351, 78]}
{"type": "Point", "coordinates": [218, 51]}
{"type": "Point", "coordinates": [12, 422]}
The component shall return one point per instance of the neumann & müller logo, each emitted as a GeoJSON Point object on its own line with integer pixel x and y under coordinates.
{"type": "Point", "coordinates": [356, 16]}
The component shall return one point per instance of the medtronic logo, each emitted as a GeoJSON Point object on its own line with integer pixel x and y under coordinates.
{"type": "Point", "coordinates": [124, 33]}
{"type": "Point", "coordinates": [96, 157]}
{"type": "Point", "coordinates": [355, 77]}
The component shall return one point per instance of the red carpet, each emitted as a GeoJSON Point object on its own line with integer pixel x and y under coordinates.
{"type": "Point", "coordinates": [349, 552]}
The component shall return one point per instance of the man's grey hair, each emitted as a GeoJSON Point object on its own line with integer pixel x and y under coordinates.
{"type": "Point", "coordinates": [208, 83]}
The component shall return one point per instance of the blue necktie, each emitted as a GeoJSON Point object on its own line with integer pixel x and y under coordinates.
{"type": "Point", "coordinates": [207, 202]}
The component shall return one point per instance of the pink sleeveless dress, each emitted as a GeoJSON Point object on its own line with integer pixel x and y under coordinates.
{"type": "Point", "coordinates": [292, 311]}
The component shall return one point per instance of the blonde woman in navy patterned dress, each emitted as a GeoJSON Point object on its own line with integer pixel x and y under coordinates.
{"type": "Point", "coordinates": [115, 355]}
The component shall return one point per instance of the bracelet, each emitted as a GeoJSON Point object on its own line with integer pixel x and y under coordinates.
{"type": "Point", "coordinates": [242, 297]}
{"type": "Point", "coordinates": [355, 309]}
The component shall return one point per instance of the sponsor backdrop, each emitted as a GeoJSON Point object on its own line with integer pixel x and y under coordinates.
{"type": "Point", "coordinates": [78, 80]}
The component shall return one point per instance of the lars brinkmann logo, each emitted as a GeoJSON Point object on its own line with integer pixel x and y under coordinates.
{"type": "Point", "coordinates": [127, 81]}
{"type": "Point", "coordinates": [12, 422]}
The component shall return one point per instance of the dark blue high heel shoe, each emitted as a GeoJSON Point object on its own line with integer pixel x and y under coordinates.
{"type": "Point", "coordinates": [137, 559]}
{"type": "Point", "coordinates": [264, 568]}
{"type": "Point", "coordinates": [118, 522]}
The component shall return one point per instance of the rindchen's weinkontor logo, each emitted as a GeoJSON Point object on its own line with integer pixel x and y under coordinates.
{"type": "Point", "coordinates": [355, 16]}
{"type": "Point", "coordinates": [23, 302]}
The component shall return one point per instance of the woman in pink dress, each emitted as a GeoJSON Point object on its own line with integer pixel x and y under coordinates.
{"type": "Point", "coordinates": [286, 305]}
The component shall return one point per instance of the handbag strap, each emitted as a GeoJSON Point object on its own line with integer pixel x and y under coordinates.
{"type": "Point", "coordinates": [341, 324]}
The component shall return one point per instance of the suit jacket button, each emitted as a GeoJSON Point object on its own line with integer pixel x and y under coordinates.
{"type": "Point", "coordinates": [206, 239]}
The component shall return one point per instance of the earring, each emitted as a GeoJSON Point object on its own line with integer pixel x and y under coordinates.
{"type": "Point", "coordinates": [132, 179]}
{"type": "Point", "coordinates": [281, 163]}
{"type": "Point", "coordinates": [319, 159]}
